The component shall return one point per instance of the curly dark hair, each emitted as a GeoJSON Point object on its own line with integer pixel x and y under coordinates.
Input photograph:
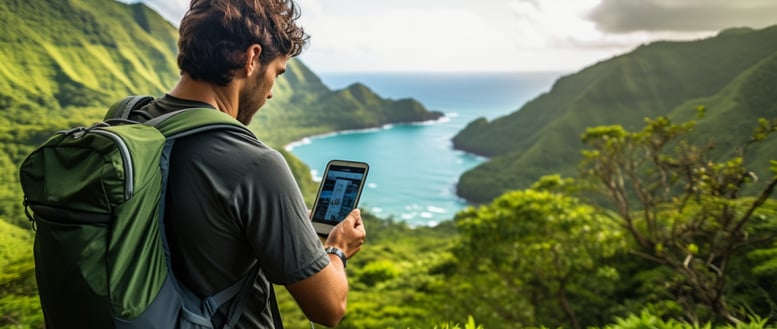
{"type": "Point", "coordinates": [214, 35]}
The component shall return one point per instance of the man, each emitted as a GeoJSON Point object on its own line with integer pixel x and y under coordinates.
{"type": "Point", "coordinates": [232, 201]}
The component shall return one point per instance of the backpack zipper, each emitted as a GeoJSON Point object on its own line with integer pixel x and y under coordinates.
{"type": "Point", "coordinates": [125, 156]}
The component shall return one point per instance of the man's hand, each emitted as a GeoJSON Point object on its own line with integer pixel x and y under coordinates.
{"type": "Point", "coordinates": [349, 234]}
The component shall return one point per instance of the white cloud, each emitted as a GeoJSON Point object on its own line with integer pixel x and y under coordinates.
{"type": "Point", "coordinates": [488, 35]}
{"type": "Point", "coordinates": [494, 35]}
{"type": "Point", "coordinates": [551, 23]}
{"type": "Point", "coordinates": [406, 39]}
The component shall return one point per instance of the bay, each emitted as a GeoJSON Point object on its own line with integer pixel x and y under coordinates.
{"type": "Point", "coordinates": [413, 167]}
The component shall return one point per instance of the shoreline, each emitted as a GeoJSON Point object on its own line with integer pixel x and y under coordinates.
{"type": "Point", "coordinates": [307, 140]}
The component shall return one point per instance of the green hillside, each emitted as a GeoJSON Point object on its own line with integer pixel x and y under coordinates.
{"type": "Point", "coordinates": [731, 74]}
{"type": "Point", "coordinates": [82, 53]}
{"type": "Point", "coordinates": [321, 110]}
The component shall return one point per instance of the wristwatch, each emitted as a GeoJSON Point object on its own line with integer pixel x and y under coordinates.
{"type": "Point", "coordinates": [339, 253]}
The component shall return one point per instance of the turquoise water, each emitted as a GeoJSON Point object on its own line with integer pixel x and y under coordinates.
{"type": "Point", "coordinates": [413, 167]}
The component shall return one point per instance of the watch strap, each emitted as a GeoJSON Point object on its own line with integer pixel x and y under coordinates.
{"type": "Point", "coordinates": [339, 253]}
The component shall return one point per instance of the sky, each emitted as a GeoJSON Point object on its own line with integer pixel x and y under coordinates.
{"type": "Point", "coordinates": [498, 35]}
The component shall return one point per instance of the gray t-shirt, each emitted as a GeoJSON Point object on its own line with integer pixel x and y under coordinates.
{"type": "Point", "coordinates": [231, 202]}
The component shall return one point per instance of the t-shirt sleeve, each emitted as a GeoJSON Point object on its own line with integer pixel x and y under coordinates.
{"type": "Point", "coordinates": [275, 219]}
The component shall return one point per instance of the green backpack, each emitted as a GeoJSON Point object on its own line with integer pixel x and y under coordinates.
{"type": "Point", "coordinates": [97, 199]}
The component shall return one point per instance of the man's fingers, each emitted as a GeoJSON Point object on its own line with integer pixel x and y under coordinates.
{"type": "Point", "coordinates": [358, 224]}
{"type": "Point", "coordinates": [356, 216]}
{"type": "Point", "coordinates": [349, 235]}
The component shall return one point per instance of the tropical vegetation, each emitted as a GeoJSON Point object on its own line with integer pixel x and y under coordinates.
{"type": "Point", "coordinates": [665, 222]}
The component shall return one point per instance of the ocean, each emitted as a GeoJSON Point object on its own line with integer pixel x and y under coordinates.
{"type": "Point", "coordinates": [413, 167]}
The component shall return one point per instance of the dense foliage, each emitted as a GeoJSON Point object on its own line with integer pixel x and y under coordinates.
{"type": "Point", "coordinates": [732, 74]}
{"type": "Point", "coordinates": [685, 210]}
{"type": "Point", "coordinates": [536, 258]}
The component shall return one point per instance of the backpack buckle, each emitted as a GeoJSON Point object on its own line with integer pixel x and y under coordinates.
{"type": "Point", "coordinates": [30, 217]}
{"type": "Point", "coordinates": [76, 133]}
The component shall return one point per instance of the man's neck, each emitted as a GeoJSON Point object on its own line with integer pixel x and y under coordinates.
{"type": "Point", "coordinates": [223, 98]}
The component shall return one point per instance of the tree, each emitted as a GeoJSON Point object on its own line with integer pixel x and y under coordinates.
{"type": "Point", "coordinates": [535, 257]}
{"type": "Point", "coordinates": [684, 209]}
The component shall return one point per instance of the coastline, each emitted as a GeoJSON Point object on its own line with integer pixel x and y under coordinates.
{"type": "Point", "coordinates": [307, 140]}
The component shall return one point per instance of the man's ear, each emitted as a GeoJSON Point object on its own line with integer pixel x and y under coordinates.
{"type": "Point", "coordinates": [252, 59]}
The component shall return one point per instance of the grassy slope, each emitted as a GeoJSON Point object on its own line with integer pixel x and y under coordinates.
{"type": "Point", "coordinates": [657, 79]}
{"type": "Point", "coordinates": [731, 113]}
{"type": "Point", "coordinates": [64, 55]}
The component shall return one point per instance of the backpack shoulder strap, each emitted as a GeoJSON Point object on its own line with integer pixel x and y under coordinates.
{"type": "Point", "coordinates": [187, 122]}
{"type": "Point", "coordinates": [191, 121]}
{"type": "Point", "coordinates": [122, 109]}
{"type": "Point", "coordinates": [238, 293]}
{"type": "Point", "coordinates": [276, 313]}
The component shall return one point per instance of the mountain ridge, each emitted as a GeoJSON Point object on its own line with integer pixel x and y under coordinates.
{"type": "Point", "coordinates": [543, 136]}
